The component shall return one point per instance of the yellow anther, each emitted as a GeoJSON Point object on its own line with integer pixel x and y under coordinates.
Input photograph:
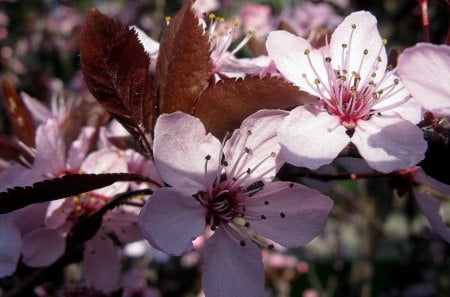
{"type": "Point", "coordinates": [250, 32]}
{"type": "Point", "coordinates": [307, 51]}
{"type": "Point", "coordinates": [273, 154]}
{"type": "Point", "coordinates": [384, 41]}
{"type": "Point", "coordinates": [167, 19]}
{"type": "Point", "coordinates": [221, 19]}
{"type": "Point", "coordinates": [373, 74]}
{"type": "Point", "coordinates": [317, 81]}
{"type": "Point", "coordinates": [92, 200]}
{"type": "Point", "coordinates": [76, 199]}
{"type": "Point", "coordinates": [78, 208]}
{"type": "Point", "coordinates": [211, 16]}
{"type": "Point", "coordinates": [235, 22]}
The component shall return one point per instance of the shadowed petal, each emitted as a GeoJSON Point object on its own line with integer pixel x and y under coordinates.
{"type": "Point", "coordinates": [293, 214]}
{"type": "Point", "coordinates": [424, 70]}
{"type": "Point", "coordinates": [171, 219]}
{"type": "Point", "coordinates": [431, 209]}
{"type": "Point", "coordinates": [50, 148]}
{"type": "Point", "coordinates": [180, 147]}
{"type": "Point", "coordinates": [428, 181]}
{"type": "Point", "coordinates": [389, 143]}
{"type": "Point", "coordinates": [42, 247]}
{"type": "Point", "coordinates": [101, 263]}
{"type": "Point", "coordinates": [231, 269]}
{"type": "Point", "coordinates": [311, 138]}
{"type": "Point", "coordinates": [10, 246]}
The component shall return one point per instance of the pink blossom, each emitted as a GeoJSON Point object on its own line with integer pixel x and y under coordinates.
{"type": "Point", "coordinates": [360, 102]}
{"type": "Point", "coordinates": [424, 70]}
{"type": "Point", "coordinates": [307, 16]}
{"type": "Point", "coordinates": [256, 17]}
{"type": "Point", "coordinates": [221, 34]}
{"type": "Point", "coordinates": [210, 187]}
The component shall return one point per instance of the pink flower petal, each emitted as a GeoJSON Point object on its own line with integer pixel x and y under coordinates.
{"type": "Point", "coordinates": [311, 138]}
{"type": "Point", "coordinates": [43, 247]}
{"type": "Point", "coordinates": [424, 70]}
{"type": "Point", "coordinates": [180, 148]}
{"type": "Point", "coordinates": [293, 214]}
{"type": "Point", "coordinates": [389, 143]}
{"type": "Point", "coordinates": [288, 53]}
{"type": "Point", "coordinates": [171, 219]}
{"type": "Point", "coordinates": [231, 269]}
{"type": "Point", "coordinates": [409, 110]}
{"type": "Point", "coordinates": [101, 263]}
{"type": "Point", "coordinates": [79, 147]}
{"type": "Point", "coordinates": [39, 111]}
{"type": "Point", "coordinates": [10, 246]}
{"type": "Point", "coordinates": [431, 209]}
{"type": "Point", "coordinates": [428, 181]}
{"type": "Point", "coordinates": [50, 148]}
{"type": "Point", "coordinates": [123, 224]}
{"type": "Point", "coordinates": [261, 142]}
{"type": "Point", "coordinates": [364, 36]}
{"type": "Point", "coordinates": [107, 161]}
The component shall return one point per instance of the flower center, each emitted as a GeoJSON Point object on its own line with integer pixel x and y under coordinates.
{"type": "Point", "coordinates": [348, 95]}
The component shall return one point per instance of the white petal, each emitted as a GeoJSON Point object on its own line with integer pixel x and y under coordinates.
{"type": "Point", "coordinates": [364, 36]}
{"type": "Point", "coordinates": [180, 148]}
{"type": "Point", "coordinates": [311, 138]}
{"type": "Point", "coordinates": [231, 269]}
{"type": "Point", "coordinates": [389, 143]}
{"type": "Point", "coordinates": [43, 247]}
{"type": "Point", "coordinates": [293, 214]}
{"type": "Point", "coordinates": [431, 209]}
{"type": "Point", "coordinates": [171, 219]}
{"type": "Point", "coordinates": [424, 70]}
{"type": "Point", "coordinates": [409, 110]}
{"type": "Point", "coordinates": [261, 141]}
{"type": "Point", "coordinates": [288, 53]}
{"type": "Point", "coordinates": [101, 263]}
{"type": "Point", "coordinates": [10, 246]}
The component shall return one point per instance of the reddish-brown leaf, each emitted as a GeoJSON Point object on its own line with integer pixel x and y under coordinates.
{"type": "Point", "coordinates": [116, 70]}
{"type": "Point", "coordinates": [52, 189]}
{"type": "Point", "coordinates": [223, 106]}
{"type": "Point", "coordinates": [183, 68]}
{"type": "Point", "coordinates": [19, 116]}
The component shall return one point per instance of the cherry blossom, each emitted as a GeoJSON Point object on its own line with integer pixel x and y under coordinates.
{"type": "Point", "coordinates": [360, 102]}
{"type": "Point", "coordinates": [214, 185]}
{"type": "Point", "coordinates": [221, 34]}
{"type": "Point", "coordinates": [424, 69]}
